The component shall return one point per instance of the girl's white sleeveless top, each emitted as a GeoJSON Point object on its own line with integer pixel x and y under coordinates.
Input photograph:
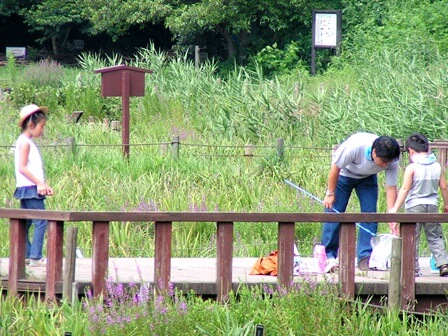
{"type": "Point", "coordinates": [34, 164]}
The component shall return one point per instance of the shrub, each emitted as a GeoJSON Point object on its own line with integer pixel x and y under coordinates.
{"type": "Point", "coordinates": [43, 73]}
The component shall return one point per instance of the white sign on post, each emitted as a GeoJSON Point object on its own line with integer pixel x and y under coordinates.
{"type": "Point", "coordinates": [18, 52]}
{"type": "Point", "coordinates": [326, 28]}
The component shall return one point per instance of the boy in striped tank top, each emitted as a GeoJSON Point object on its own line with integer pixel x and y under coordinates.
{"type": "Point", "coordinates": [421, 181]}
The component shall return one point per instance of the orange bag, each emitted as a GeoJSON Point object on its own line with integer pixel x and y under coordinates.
{"type": "Point", "coordinates": [266, 266]}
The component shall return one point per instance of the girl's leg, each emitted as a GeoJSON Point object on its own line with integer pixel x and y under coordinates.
{"type": "Point", "coordinates": [40, 227]}
{"type": "Point", "coordinates": [23, 205]}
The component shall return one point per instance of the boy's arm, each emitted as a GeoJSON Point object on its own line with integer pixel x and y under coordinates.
{"type": "Point", "coordinates": [404, 190]}
{"type": "Point", "coordinates": [444, 191]}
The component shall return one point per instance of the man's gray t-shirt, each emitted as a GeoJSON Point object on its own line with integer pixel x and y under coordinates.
{"type": "Point", "coordinates": [354, 159]}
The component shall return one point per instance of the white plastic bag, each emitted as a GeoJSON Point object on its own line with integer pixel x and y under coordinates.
{"type": "Point", "coordinates": [382, 249]}
{"type": "Point", "coordinates": [297, 261]}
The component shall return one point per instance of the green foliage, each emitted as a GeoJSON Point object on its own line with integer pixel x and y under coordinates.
{"type": "Point", "coordinates": [30, 316]}
{"type": "Point", "coordinates": [396, 94]}
{"type": "Point", "coordinates": [54, 19]}
{"type": "Point", "coordinates": [24, 94]}
{"type": "Point", "coordinates": [11, 67]}
{"type": "Point", "coordinates": [280, 61]}
{"type": "Point", "coordinates": [413, 27]}
{"type": "Point", "coordinates": [277, 310]}
{"type": "Point", "coordinates": [138, 310]}
{"type": "Point", "coordinates": [389, 91]}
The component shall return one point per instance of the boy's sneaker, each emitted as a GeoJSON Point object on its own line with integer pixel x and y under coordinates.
{"type": "Point", "coordinates": [38, 263]}
{"type": "Point", "coordinates": [332, 266]}
{"type": "Point", "coordinates": [443, 270]}
{"type": "Point", "coordinates": [27, 261]}
{"type": "Point", "coordinates": [363, 264]}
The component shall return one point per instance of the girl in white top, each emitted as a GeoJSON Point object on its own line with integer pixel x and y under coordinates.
{"type": "Point", "coordinates": [31, 188]}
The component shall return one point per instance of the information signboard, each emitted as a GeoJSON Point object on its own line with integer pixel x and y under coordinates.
{"type": "Point", "coordinates": [325, 30]}
{"type": "Point", "coordinates": [326, 33]}
{"type": "Point", "coordinates": [18, 52]}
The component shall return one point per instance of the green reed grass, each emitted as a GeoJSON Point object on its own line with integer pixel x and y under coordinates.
{"type": "Point", "coordinates": [214, 117]}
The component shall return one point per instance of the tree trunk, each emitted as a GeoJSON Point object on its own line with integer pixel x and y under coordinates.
{"type": "Point", "coordinates": [230, 43]}
{"type": "Point", "coordinates": [242, 47]}
{"type": "Point", "coordinates": [64, 42]}
{"type": "Point", "coordinates": [54, 45]}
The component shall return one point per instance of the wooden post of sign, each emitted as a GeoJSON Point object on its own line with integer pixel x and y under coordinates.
{"type": "Point", "coordinates": [125, 107]}
{"type": "Point", "coordinates": [123, 81]}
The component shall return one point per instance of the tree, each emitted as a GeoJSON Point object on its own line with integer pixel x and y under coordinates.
{"type": "Point", "coordinates": [54, 19]}
{"type": "Point", "coordinates": [8, 7]}
{"type": "Point", "coordinates": [234, 20]}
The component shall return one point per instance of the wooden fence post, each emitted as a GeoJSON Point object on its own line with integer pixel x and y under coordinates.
{"type": "Point", "coordinates": [115, 125]}
{"type": "Point", "coordinates": [347, 247]}
{"type": "Point", "coordinates": [280, 149]}
{"type": "Point", "coordinates": [100, 256]}
{"type": "Point", "coordinates": [175, 146]}
{"type": "Point", "coordinates": [407, 233]}
{"type": "Point", "coordinates": [55, 241]}
{"type": "Point", "coordinates": [285, 253]}
{"type": "Point", "coordinates": [91, 122]}
{"type": "Point", "coordinates": [70, 263]}
{"type": "Point", "coordinates": [164, 147]}
{"type": "Point", "coordinates": [17, 229]}
{"type": "Point", "coordinates": [248, 150]}
{"type": "Point", "coordinates": [224, 260]}
{"type": "Point", "coordinates": [394, 291]}
{"type": "Point", "coordinates": [162, 255]}
{"type": "Point", "coordinates": [71, 144]}
{"type": "Point", "coordinates": [105, 124]}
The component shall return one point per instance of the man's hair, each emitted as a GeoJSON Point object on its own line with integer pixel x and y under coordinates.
{"type": "Point", "coordinates": [386, 148]}
{"type": "Point", "coordinates": [417, 142]}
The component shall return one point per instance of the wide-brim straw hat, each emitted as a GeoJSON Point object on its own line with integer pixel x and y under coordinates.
{"type": "Point", "coordinates": [28, 110]}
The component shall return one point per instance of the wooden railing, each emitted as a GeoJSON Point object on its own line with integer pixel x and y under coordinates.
{"type": "Point", "coordinates": [224, 221]}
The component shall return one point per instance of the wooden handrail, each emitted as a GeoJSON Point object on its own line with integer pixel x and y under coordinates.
{"type": "Point", "coordinates": [161, 216]}
{"type": "Point", "coordinates": [225, 221]}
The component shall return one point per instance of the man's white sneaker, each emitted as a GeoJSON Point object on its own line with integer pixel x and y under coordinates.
{"type": "Point", "coordinates": [38, 263]}
{"type": "Point", "coordinates": [332, 266]}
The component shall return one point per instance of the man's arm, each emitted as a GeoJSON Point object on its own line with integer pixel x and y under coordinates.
{"type": "Point", "coordinates": [391, 196]}
{"type": "Point", "coordinates": [333, 176]}
{"type": "Point", "coordinates": [404, 190]}
{"type": "Point", "coordinates": [399, 199]}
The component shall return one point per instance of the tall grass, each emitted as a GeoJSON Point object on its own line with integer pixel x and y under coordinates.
{"type": "Point", "coordinates": [308, 308]}
{"type": "Point", "coordinates": [390, 92]}
{"type": "Point", "coordinates": [390, 96]}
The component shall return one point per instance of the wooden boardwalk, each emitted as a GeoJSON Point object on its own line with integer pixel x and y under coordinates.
{"type": "Point", "coordinates": [199, 274]}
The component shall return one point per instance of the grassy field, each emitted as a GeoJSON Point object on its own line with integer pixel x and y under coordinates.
{"type": "Point", "coordinates": [215, 117]}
